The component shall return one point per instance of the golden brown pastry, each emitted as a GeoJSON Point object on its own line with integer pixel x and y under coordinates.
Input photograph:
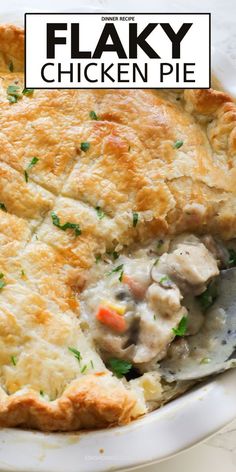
{"type": "Point", "coordinates": [70, 187]}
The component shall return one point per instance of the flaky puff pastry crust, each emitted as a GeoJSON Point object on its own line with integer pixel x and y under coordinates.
{"type": "Point", "coordinates": [132, 164]}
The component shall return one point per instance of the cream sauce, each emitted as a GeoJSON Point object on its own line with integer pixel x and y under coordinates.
{"type": "Point", "coordinates": [152, 290]}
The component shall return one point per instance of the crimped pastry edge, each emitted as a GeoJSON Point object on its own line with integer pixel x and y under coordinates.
{"type": "Point", "coordinates": [88, 403]}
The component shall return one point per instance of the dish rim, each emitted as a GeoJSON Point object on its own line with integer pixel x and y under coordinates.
{"type": "Point", "coordinates": [99, 451]}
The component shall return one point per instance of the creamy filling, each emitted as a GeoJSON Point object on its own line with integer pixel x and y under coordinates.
{"type": "Point", "coordinates": [142, 306]}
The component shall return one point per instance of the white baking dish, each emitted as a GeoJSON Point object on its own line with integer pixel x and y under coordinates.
{"type": "Point", "coordinates": [177, 426]}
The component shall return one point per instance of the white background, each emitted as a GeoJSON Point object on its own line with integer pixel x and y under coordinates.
{"type": "Point", "coordinates": [217, 454]}
{"type": "Point", "coordinates": [194, 51]}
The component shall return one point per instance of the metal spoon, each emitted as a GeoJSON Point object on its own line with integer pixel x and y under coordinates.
{"type": "Point", "coordinates": [213, 349]}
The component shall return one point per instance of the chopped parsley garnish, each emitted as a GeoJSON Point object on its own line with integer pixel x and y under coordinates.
{"type": "Point", "coordinates": [76, 353]}
{"type": "Point", "coordinates": [165, 281]}
{"type": "Point", "coordinates": [100, 212]}
{"type": "Point", "coordinates": [10, 66]}
{"type": "Point", "coordinates": [232, 257]}
{"type": "Point", "coordinates": [27, 91]}
{"type": "Point", "coordinates": [207, 298]}
{"type": "Point", "coordinates": [92, 364]}
{"type": "Point", "coordinates": [32, 163]}
{"type": "Point", "coordinates": [178, 144]}
{"type": "Point", "coordinates": [2, 207]}
{"type": "Point", "coordinates": [68, 225]}
{"type": "Point", "coordinates": [12, 98]}
{"type": "Point", "coordinates": [84, 146]}
{"type": "Point", "coordinates": [13, 90]}
{"type": "Point", "coordinates": [121, 276]}
{"type": "Point", "coordinates": [160, 243]}
{"type": "Point", "coordinates": [41, 393]}
{"type": "Point", "coordinates": [135, 219]}
{"type": "Point", "coordinates": [182, 327]}
{"type": "Point", "coordinates": [98, 258]}
{"type": "Point", "coordinates": [119, 367]}
{"type": "Point", "coordinates": [83, 369]}
{"type": "Point", "coordinates": [116, 269]}
{"type": "Point", "coordinates": [115, 255]}
{"type": "Point", "coordinates": [93, 115]}
{"type": "Point", "coordinates": [13, 93]}
{"type": "Point", "coordinates": [22, 273]}
{"type": "Point", "coordinates": [13, 360]}
{"type": "Point", "coordinates": [2, 282]}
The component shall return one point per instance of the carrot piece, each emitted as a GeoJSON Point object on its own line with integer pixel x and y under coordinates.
{"type": "Point", "coordinates": [111, 318]}
{"type": "Point", "coordinates": [136, 288]}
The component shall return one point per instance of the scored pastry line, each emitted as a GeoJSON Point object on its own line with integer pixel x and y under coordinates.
{"type": "Point", "coordinates": [71, 167]}
{"type": "Point", "coordinates": [74, 162]}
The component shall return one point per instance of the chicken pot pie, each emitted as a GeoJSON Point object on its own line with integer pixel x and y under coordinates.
{"type": "Point", "coordinates": [117, 214]}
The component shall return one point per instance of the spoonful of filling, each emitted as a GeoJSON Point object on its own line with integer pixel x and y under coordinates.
{"type": "Point", "coordinates": [150, 307]}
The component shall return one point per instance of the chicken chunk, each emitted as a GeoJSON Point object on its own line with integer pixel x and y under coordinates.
{"type": "Point", "coordinates": [165, 301]}
{"type": "Point", "coordinates": [154, 338]}
{"type": "Point", "coordinates": [156, 332]}
{"type": "Point", "coordinates": [191, 266]}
